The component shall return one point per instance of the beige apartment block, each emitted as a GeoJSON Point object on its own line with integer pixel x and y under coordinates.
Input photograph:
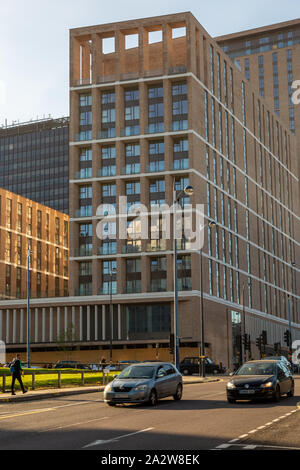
{"type": "Point", "coordinates": [154, 103]}
{"type": "Point", "coordinates": [270, 58]}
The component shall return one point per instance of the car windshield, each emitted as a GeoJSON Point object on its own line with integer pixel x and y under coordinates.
{"type": "Point", "coordinates": [137, 372]}
{"type": "Point", "coordinates": [257, 369]}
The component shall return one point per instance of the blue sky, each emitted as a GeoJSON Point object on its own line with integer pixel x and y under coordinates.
{"type": "Point", "coordinates": [34, 38]}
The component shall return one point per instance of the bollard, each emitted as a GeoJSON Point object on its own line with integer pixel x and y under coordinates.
{"type": "Point", "coordinates": [33, 381]}
{"type": "Point", "coordinates": [59, 379]}
{"type": "Point", "coordinates": [3, 383]}
{"type": "Point", "coordinates": [82, 378]}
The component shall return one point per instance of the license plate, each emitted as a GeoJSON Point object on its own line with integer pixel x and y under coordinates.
{"type": "Point", "coordinates": [247, 392]}
{"type": "Point", "coordinates": [121, 395]}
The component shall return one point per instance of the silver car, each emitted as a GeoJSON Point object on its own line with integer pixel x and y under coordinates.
{"type": "Point", "coordinates": [145, 382]}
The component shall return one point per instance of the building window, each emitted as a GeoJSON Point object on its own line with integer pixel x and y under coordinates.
{"type": "Point", "coordinates": [180, 106]}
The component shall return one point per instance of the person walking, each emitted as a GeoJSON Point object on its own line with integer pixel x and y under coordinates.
{"type": "Point", "coordinates": [16, 369]}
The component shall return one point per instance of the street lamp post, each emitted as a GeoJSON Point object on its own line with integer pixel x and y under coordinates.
{"type": "Point", "coordinates": [210, 224]}
{"type": "Point", "coordinates": [29, 252]}
{"type": "Point", "coordinates": [243, 342]}
{"type": "Point", "coordinates": [293, 264]}
{"type": "Point", "coordinates": [188, 191]}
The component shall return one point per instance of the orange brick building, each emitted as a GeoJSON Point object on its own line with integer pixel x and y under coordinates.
{"type": "Point", "coordinates": [26, 225]}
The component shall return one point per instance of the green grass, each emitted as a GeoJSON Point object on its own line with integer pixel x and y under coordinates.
{"type": "Point", "coordinates": [44, 379]}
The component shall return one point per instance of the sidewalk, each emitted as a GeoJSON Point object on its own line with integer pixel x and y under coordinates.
{"type": "Point", "coordinates": [41, 394]}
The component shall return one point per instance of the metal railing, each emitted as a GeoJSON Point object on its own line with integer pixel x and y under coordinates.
{"type": "Point", "coordinates": [60, 373]}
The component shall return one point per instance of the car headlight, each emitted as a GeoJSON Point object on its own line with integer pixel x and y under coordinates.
{"type": "Point", "coordinates": [267, 385]}
{"type": "Point", "coordinates": [230, 385]}
{"type": "Point", "coordinates": [140, 388]}
{"type": "Point", "coordinates": [108, 388]}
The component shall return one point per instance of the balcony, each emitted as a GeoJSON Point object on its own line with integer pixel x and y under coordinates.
{"type": "Point", "coordinates": [182, 164]}
{"type": "Point", "coordinates": [84, 290]}
{"type": "Point", "coordinates": [107, 171]}
{"type": "Point", "coordinates": [129, 76]}
{"type": "Point", "coordinates": [179, 125]}
{"type": "Point", "coordinates": [109, 133]}
{"type": "Point", "coordinates": [158, 286]}
{"type": "Point", "coordinates": [131, 169]}
{"type": "Point", "coordinates": [153, 73]}
{"type": "Point", "coordinates": [85, 211]}
{"type": "Point", "coordinates": [156, 166]}
{"type": "Point", "coordinates": [156, 245]}
{"type": "Point", "coordinates": [83, 82]}
{"type": "Point", "coordinates": [177, 69]}
{"type": "Point", "coordinates": [129, 131]}
{"type": "Point", "coordinates": [83, 251]}
{"type": "Point", "coordinates": [154, 128]}
{"type": "Point", "coordinates": [84, 173]}
{"type": "Point", "coordinates": [134, 248]}
{"type": "Point", "coordinates": [107, 249]}
{"type": "Point", "coordinates": [106, 79]}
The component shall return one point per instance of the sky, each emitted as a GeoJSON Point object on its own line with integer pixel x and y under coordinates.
{"type": "Point", "coordinates": [34, 41]}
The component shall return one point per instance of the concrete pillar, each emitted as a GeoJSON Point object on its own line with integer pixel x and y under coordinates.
{"type": "Point", "coordinates": [36, 325]}
{"type": "Point", "coordinates": [14, 325]}
{"type": "Point", "coordinates": [103, 322]}
{"type": "Point", "coordinates": [119, 322]}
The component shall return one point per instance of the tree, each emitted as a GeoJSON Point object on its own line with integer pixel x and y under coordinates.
{"type": "Point", "coordinates": [66, 342]}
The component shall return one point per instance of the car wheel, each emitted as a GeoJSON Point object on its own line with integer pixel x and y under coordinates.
{"type": "Point", "coordinates": [277, 395]}
{"type": "Point", "coordinates": [291, 392]}
{"type": "Point", "coordinates": [178, 394]}
{"type": "Point", "coordinates": [231, 400]}
{"type": "Point", "coordinates": [111, 404]}
{"type": "Point", "coordinates": [185, 372]}
{"type": "Point", "coordinates": [153, 398]}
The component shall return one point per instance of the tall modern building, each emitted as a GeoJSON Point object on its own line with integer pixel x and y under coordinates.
{"type": "Point", "coordinates": [155, 104]}
{"type": "Point", "coordinates": [270, 59]}
{"type": "Point", "coordinates": [34, 161]}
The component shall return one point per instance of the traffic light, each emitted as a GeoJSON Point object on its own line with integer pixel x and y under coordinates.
{"type": "Point", "coordinates": [277, 348]}
{"type": "Point", "coordinates": [246, 341]}
{"type": "Point", "coordinates": [172, 343]}
{"type": "Point", "coordinates": [264, 337]}
{"type": "Point", "coordinates": [258, 342]}
{"type": "Point", "coordinates": [287, 338]}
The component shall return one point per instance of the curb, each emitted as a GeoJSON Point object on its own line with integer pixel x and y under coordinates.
{"type": "Point", "coordinates": [55, 394]}
{"type": "Point", "coordinates": [80, 391]}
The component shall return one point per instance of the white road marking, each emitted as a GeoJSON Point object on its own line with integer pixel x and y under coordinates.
{"type": "Point", "coordinates": [99, 442]}
{"type": "Point", "coordinates": [233, 441]}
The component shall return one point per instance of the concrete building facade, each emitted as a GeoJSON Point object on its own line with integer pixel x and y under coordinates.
{"type": "Point", "coordinates": [34, 161]}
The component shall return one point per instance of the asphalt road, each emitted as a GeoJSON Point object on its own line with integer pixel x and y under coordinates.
{"type": "Point", "coordinates": [202, 420]}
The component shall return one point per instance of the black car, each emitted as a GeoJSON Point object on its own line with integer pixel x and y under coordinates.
{"type": "Point", "coordinates": [259, 380]}
{"type": "Point", "coordinates": [191, 365]}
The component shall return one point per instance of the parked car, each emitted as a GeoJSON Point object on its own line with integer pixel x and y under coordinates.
{"type": "Point", "coordinates": [260, 379]}
{"type": "Point", "coordinates": [283, 359]}
{"type": "Point", "coordinates": [144, 382]}
{"type": "Point", "coordinates": [191, 365]}
{"type": "Point", "coordinates": [124, 364]}
{"type": "Point", "coordinates": [70, 365]}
